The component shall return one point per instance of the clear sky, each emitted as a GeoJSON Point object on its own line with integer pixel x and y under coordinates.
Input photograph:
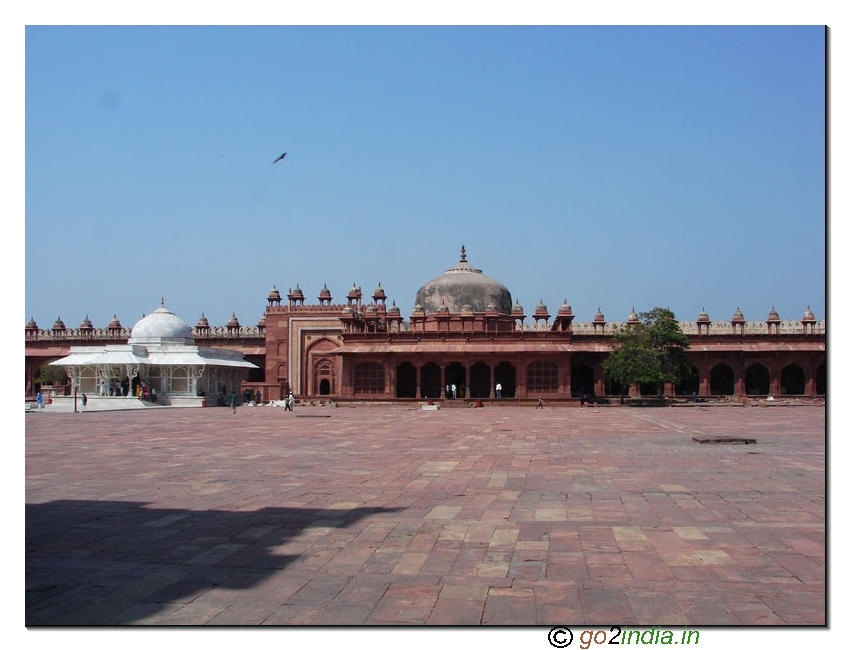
{"type": "Point", "coordinates": [614, 167]}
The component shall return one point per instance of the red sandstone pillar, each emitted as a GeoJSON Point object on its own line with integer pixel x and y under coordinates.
{"type": "Point", "coordinates": [389, 373]}
{"type": "Point", "coordinates": [521, 380]}
{"type": "Point", "coordinates": [740, 387]}
{"type": "Point", "coordinates": [775, 385]}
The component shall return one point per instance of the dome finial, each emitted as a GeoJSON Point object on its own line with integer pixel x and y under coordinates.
{"type": "Point", "coordinates": [462, 253]}
{"type": "Point", "coordinates": [162, 301]}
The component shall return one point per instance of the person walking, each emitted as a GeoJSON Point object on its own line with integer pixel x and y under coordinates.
{"type": "Point", "coordinates": [233, 401]}
{"type": "Point", "coordinates": [539, 402]}
{"type": "Point", "coordinates": [39, 400]}
{"type": "Point", "coordinates": [454, 391]}
{"type": "Point", "coordinates": [498, 391]}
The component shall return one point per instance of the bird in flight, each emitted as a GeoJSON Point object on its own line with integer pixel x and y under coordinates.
{"type": "Point", "coordinates": [280, 157]}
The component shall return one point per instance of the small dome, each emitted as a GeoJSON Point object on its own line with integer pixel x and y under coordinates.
{"type": "Point", "coordinates": [262, 321]}
{"type": "Point", "coordinates": [325, 293]}
{"type": "Point", "coordinates": [599, 318]}
{"type": "Point", "coordinates": [371, 310]}
{"type": "Point", "coordinates": [443, 309]}
{"type": "Point", "coordinates": [773, 316]}
{"type": "Point", "coordinates": [58, 325]}
{"type": "Point", "coordinates": [419, 309]}
{"type": "Point", "coordinates": [274, 295]}
{"type": "Point", "coordinates": [233, 322]}
{"type": "Point", "coordinates": [86, 324]}
{"type": "Point", "coordinates": [466, 309]}
{"type": "Point", "coordinates": [160, 325]}
{"type": "Point", "coordinates": [297, 294]}
{"type": "Point", "coordinates": [541, 309]}
{"type": "Point", "coordinates": [393, 309]}
{"type": "Point", "coordinates": [115, 324]}
{"type": "Point", "coordinates": [565, 309]}
{"type": "Point", "coordinates": [633, 317]}
{"type": "Point", "coordinates": [738, 317]}
{"type": "Point", "coordinates": [355, 292]}
{"type": "Point", "coordinates": [202, 322]}
{"type": "Point", "coordinates": [31, 325]}
{"type": "Point", "coordinates": [703, 316]}
{"type": "Point", "coordinates": [517, 310]}
{"type": "Point", "coordinates": [808, 317]}
{"type": "Point", "coordinates": [347, 311]}
{"type": "Point", "coordinates": [379, 292]}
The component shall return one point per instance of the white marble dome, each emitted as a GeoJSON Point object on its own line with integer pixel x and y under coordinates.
{"type": "Point", "coordinates": [161, 326]}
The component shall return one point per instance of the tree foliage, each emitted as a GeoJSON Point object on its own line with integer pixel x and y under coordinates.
{"type": "Point", "coordinates": [649, 351]}
{"type": "Point", "coordinates": [52, 375]}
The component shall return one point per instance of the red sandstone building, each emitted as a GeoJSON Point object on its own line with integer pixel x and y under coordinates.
{"type": "Point", "coordinates": [465, 330]}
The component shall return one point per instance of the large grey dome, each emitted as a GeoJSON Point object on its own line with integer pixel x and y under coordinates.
{"type": "Point", "coordinates": [464, 285]}
{"type": "Point", "coordinates": [161, 326]}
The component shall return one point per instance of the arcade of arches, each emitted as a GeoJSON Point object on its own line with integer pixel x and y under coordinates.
{"type": "Point", "coordinates": [477, 380]}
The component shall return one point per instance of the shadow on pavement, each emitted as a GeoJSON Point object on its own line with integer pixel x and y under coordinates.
{"type": "Point", "coordinates": [112, 563]}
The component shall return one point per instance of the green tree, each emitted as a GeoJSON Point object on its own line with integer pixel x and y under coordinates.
{"type": "Point", "coordinates": [49, 375]}
{"type": "Point", "coordinates": [649, 351]}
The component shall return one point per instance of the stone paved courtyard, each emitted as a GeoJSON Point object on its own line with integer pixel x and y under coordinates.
{"type": "Point", "coordinates": [392, 515]}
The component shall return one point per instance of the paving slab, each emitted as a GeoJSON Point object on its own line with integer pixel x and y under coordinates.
{"type": "Point", "coordinates": [393, 515]}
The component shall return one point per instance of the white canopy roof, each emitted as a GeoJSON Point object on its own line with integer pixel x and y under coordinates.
{"type": "Point", "coordinates": [136, 355]}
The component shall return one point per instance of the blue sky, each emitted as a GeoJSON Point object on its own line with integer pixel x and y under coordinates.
{"type": "Point", "coordinates": [614, 167]}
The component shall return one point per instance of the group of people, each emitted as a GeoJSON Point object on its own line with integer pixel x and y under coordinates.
{"type": "Point", "coordinates": [451, 391]}
{"type": "Point", "coordinates": [145, 391]}
{"type": "Point", "coordinates": [118, 389]}
{"type": "Point", "coordinates": [249, 396]}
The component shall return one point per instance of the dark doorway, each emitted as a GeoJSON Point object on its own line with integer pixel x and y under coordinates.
{"type": "Point", "coordinates": [581, 380]}
{"type": "Point", "coordinates": [405, 384]}
{"type": "Point", "coordinates": [722, 380]}
{"type": "Point", "coordinates": [820, 380]}
{"type": "Point", "coordinates": [431, 381]}
{"type": "Point", "coordinates": [479, 380]}
{"type": "Point", "coordinates": [757, 380]}
{"type": "Point", "coordinates": [456, 374]}
{"type": "Point", "coordinates": [324, 387]}
{"type": "Point", "coordinates": [792, 381]}
{"type": "Point", "coordinates": [506, 375]}
{"type": "Point", "coordinates": [651, 389]}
